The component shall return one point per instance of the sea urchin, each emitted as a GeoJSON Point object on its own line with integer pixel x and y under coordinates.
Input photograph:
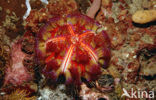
{"type": "Point", "coordinates": [73, 46]}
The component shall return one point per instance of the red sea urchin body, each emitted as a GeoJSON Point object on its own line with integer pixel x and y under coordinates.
{"type": "Point", "coordinates": [73, 47]}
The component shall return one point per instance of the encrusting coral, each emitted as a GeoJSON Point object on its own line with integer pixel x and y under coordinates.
{"type": "Point", "coordinates": [16, 74]}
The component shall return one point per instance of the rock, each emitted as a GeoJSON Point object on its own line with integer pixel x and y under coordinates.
{"type": "Point", "coordinates": [105, 83]}
{"type": "Point", "coordinates": [149, 67]}
{"type": "Point", "coordinates": [144, 16]}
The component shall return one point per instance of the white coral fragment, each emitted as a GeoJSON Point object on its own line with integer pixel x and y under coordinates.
{"type": "Point", "coordinates": [44, 1]}
{"type": "Point", "coordinates": [27, 2]}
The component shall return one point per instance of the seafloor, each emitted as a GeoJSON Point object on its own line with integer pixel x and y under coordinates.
{"type": "Point", "coordinates": [131, 69]}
